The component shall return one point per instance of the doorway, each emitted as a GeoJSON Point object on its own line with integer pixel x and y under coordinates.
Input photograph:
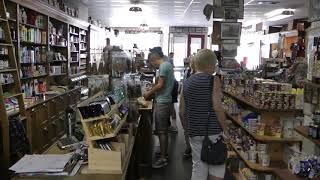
{"type": "Point", "coordinates": [195, 43]}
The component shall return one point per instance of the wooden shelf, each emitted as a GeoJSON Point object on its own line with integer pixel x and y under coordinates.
{"type": "Point", "coordinates": [7, 84]}
{"type": "Point", "coordinates": [252, 105]}
{"type": "Point", "coordinates": [58, 61]}
{"type": "Point", "coordinates": [72, 62]}
{"type": "Point", "coordinates": [2, 19]}
{"type": "Point", "coordinates": [32, 43]}
{"type": "Point", "coordinates": [83, 34]}
{"type": "Point", "coordinates": [7, 70]}
{"type": "Point", "coordinates": [5, 44]}
{"type": "Point", "coordinates": [13, 96]}
{"type": "Point", "coordinates": [285, 174]}
{"type": "Point", "coordinates": [63, 74]}
{"type": "Point", "coordinates": [83, 49]}
{"type": "Point", "coordinates": [13, 113]}
{"type": "Point", "coordinates": [253, 166]}
{"type": "Point", "coordinates": [75, 34]}
{"type": "Point", "coordinates": [12, 20]}
{"type": "Point", "coordinates": [76, 75]}
{"type": "Point", "coordinates": [58, 46]}
{"type": "Point", "coordinates": [114, 134]}
{"type": "Point", "coordinates": [259, 137]}
{"type": "Point", "coordinates": [32, 26]}
{"type": "Point", "coordinates": [74, 51]}
{"type": "Point", "coordinates": [34, 77]}
{"type": "Point", "coordinates": [311, 84]}
{"type": "Point", "coordinates": [303, 130]}
{"type": "Point", "coordinates": [33, 63]}
{"type": "Point", "coordinates": [75, 42]}
{"type": "Point", "coordinates": [108, 115]}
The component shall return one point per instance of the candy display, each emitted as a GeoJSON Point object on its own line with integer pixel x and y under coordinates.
{"type": "Point", "coordinates": [265, 94]}
{"type": "Point", "coordinates": [102, 127]}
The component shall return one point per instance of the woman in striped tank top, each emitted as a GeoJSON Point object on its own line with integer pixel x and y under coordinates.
{"type": "Point", "coordinates": [202, 97]}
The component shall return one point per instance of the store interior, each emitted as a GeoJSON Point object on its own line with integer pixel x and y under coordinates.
{"type": "Point", "coordinates": [74, 74]}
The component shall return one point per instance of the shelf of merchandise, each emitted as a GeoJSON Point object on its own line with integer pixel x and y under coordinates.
{"type": "Point", "coordinates": [59, 46]}
{"type": "Point", "coordinates": [253, 166]}
{"type": "Point", "coordinates": [75, 34]}
{"type": "Point", "coordinates": [311, 84]}
{"type": "Point", "coordinates": [108, 115]}
{"type": "Point", "coordinates": [7, 84]}
{"type": "Point", "coordinates": [5, 44]}
{"type": "Point", "coordinates": [256, 107]}
{"type": "Point", "coordinates": [32, 43]}
{"type": "Point", "coordinates": [259, 137]}
{"type": "Point", "coordinates": [8, 70]}
{"type": "Point", "coordinates": [5, 155]}
{"type": "Point", "coordinates": [58, 61]}
{"type": "Point", "coordinates": [32, 26]}
{"type": "Point", "coordinates": [62, 74]}
{"type": "Point", "coordinates": [36, 63]}
{"type": "Point", "coordinates": [33, 77]}
{"type": "Point", "coordinates": [303, 130]}
{"type": "Point", "coordinates": [285, 174]}
{"type": "Point", "coordinates": [13, 96]}
{"type": "Point", "coordinates": [114, 134]}
{"type": "Point", "coordinates": [12, 20]}
{"type": "Point", "coordinates": [2, 19]}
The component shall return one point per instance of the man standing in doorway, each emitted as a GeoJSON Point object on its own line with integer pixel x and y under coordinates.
{"type": "Point", "coordinates": [163, 101]}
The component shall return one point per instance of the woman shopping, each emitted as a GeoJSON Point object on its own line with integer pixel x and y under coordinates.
{"type": "Point", "coordinates": [205, 118]}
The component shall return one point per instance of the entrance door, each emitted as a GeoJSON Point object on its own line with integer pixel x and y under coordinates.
{"type": "Point", "coordinates": [195, 43]}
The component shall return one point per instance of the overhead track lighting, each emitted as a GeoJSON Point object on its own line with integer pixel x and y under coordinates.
{"type": "Point", "coordinates": [279, 14]}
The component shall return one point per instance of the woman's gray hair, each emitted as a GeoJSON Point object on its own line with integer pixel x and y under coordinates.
{"type": "Point", "coordinates": [204, 59]}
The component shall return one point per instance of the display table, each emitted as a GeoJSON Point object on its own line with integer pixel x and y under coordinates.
{"type": "Point", "coordinates": [140, 154]}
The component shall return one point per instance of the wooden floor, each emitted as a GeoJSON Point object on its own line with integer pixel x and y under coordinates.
{"type": "Point", "coordinates": [178, 167]}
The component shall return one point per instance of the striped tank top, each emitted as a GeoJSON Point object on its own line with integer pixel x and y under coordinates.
{"type": "Point", "coordinates": [197, 93]}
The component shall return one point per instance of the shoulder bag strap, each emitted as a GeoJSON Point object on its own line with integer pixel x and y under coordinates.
{"type": "Point", "coordinates": [209, 108]}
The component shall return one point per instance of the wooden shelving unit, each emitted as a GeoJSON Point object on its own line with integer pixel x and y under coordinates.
{"type": "Point", "coordinates": [15, 93]}
{"type": "Point", "coordinates": [253, 166]}
{"type": "Point", "coordinates": [256, 107]}
{"type": "Point", "coordinates": [259, 137]}
{"type": "Point", "coordinates": [303, 130]}
{"type": "Point", "coordinates": [277, 165]}
{"type": "Point", "coordinates": [120, 161]}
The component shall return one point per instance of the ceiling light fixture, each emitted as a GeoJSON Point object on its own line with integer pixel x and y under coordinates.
{"type": "Point", "coordinates": [268, 2]}
{"type": "Point", "coordinates": [135, 9]}
{"type": "Point", "coordinates": [279, 14]}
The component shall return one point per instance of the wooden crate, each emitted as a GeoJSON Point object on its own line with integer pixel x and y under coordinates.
{"type": "Point", "coordinates": [124, 138]}
{"type": "Point", "coordinates": [108, 161]}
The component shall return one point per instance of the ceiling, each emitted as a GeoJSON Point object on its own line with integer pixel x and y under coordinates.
{"type": "Point", "coordinates": [156, 13]}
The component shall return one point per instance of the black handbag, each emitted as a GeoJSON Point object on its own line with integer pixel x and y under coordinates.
{"type": "Point", "coordinates": [213, 153]}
